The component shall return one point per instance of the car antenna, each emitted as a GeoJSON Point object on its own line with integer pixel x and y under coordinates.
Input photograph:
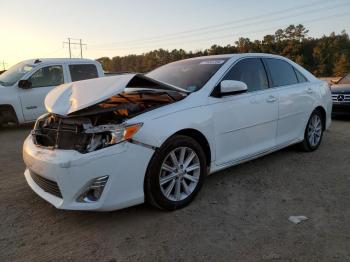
{"type": "Point", "coordinates": [37, 61]}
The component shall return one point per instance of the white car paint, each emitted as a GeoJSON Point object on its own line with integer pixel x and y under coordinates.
{"type": "Point", "coordinates": [28, 104]}
{"type": "Point", "coordinates": [72, 171]}
{"type": "Point", "coordinates": [71, 97]}
{"type": "Point", "coordinates": [237, 128]}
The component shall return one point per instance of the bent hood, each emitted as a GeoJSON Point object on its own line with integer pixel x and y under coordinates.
{"type": "Point", "coordinates": [69, 98]}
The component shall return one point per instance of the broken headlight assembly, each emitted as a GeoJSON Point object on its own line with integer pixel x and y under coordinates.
{"type": "Point", "coordinates": [79, 133]}
{"type": "Point", "coordinates": [107, 135]}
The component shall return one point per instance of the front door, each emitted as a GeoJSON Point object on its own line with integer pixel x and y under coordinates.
{"type": "Point", "coordinates": [245, 124]}
{"type": "Point", "coordinates": [43, 81]}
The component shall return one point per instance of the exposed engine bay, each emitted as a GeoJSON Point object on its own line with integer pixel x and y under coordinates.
{"type": "Point", "coordinates": [100, 125]}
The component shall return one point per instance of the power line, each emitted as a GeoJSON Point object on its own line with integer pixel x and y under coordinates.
{"type": "Point", "coordinates": [53, 52]}
{"type": "Point", "coordinates": [211, 28]}
{"type": "Point", "coordinates": [71, 43]}
{"type": "Point", "coordinates": [334, 16]}
{"type": "Point", "coordinates": [254, 23]}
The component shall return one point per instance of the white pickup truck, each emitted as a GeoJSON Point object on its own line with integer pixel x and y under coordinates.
{"type": "Point", "coordinates": [24, 86]}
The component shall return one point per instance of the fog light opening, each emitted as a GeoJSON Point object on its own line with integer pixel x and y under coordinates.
{"type": "Point", "coordinates": [94, 190]}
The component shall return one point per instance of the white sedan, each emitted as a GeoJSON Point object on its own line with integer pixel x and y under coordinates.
{"type": "Point", "coordinates": [119, 141]}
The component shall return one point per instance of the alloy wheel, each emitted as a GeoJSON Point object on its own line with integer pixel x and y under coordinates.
{"type": "Point", "coordinates": [314, 130]}
{"type": "Point", "coordinates": [179, 173]}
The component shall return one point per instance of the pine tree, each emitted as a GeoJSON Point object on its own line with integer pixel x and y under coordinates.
{"type": "Point", "coordinates": [341, 66]}
{"type": "Point", "coordinates": [325, 56]}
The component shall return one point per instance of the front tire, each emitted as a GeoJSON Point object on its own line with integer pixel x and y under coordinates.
{"type": "Point", "coordinates": [176, 173]}
{"type": "Point", "coordinates": [313, 132]}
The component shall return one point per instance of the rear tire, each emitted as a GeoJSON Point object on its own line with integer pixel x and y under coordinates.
{"type": "Point", "coordinates": [313, 132]}
{"type": "Point", "coordinates": [175, 174]}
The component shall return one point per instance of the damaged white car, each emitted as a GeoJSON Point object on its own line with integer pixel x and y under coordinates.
{"type": "Point", "coordinates": [115, 142]}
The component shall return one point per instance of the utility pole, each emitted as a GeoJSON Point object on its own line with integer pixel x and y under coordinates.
{"type": "Point", "coordinates": [3, 65]}
{"type": "Point", "coordinates": [81, 48]}
{"type": "Point", "coordinates": [70, 51]}
{"type": "Point", "coordinates": [70, 43]}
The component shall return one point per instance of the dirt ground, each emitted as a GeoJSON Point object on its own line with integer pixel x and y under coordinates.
{"type": "Point", "coordinates": [241, 214]}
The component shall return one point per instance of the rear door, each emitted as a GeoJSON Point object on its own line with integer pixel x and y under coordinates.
{"type": "Point", "coordinates": [43, 81]}
{"type": "Point", "coordinates": [295, 99]}
{"type": "Point", "coordinates": [245, 124]}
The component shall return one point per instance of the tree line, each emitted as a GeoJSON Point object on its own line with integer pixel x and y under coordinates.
{"type": "Point", "coordinates": [325, 56]}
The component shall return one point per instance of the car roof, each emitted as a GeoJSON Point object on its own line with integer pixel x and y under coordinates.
{"type": "Point", "coordinates": [238, 55]}
{"type": "Point", "coordinates": [59, 60]}
{"type": "Point", "coordinates": [234, 57]}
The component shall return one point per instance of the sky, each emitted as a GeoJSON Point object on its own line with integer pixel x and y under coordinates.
{"type": "Point", "coordinates": [38, 28]}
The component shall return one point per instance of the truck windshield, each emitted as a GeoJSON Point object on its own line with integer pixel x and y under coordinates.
{"type": "Point", "coordinates": [14, 74]}
{"type": "Point", "coordinates": [191, 74]}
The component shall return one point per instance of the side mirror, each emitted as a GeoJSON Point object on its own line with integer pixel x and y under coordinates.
{"type": "Point", "coordinates": [230, 87]}
{"type": "Point", "coordinates": [24, 84]}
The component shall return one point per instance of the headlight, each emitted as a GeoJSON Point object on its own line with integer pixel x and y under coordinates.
{"type": "Point", "coordinates": [107, 135]}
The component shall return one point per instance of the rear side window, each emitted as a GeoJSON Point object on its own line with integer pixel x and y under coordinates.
{"type": "Point", "coordinates": [282, 73]}
{"type": "Point", "coordinates": [300, 76]}
{"type": "Point", "coordinates": [82, 72]}
{"type": "Point", "coordinates": [251, 71]}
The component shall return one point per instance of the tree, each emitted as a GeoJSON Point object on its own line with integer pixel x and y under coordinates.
{"type": "Point", "coordinates": [243, 45]}
{"type": "Point", "coordinates": [106, 62]}
{"type": "Point", "coordinates": [341, 66]}
{"type": "Point", "coordinates": [297, 33]}
{"type": "Point", "coordinates": [325, 56]}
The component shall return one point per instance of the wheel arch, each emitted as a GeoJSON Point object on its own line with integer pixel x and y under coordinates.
{"type": "Point", "coordinates": [200, 139]}
{"type": "Point", "coordinates": [324, 115]}
{"type": "Point", "coordinates": [8, 113]}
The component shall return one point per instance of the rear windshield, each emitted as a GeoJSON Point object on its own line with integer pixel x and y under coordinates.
{"type": "Point", "coordinates": [191, 74]}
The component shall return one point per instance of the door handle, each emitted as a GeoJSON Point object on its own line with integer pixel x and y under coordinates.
{"type": "Point", "coordinates": [309, 90]}
{"type": "Point", "coordinates": [31, 107]}
{"type": "Point", "coordinates": [271, 99]}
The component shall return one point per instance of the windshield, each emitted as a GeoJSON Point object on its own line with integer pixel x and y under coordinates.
{"type": "Point", "coordinates": [15, 73]}
{"type": "Point", "coordinates": [345, 80]}
{"type": "Point", "coordinates": [190, 75]}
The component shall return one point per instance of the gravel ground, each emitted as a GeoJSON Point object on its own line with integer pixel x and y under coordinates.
{"type": "Point", "coordinates": [241, 214]}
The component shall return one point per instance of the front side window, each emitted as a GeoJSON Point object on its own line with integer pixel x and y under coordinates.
{"type": "Point", "coordinates": [47, 76]}
{"type": "Point", "coordinates": [282, 73]}
{"type": "Point", "coordinates": [251, 71]}
{"type": "Point", "coordinates": [82, 72]}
